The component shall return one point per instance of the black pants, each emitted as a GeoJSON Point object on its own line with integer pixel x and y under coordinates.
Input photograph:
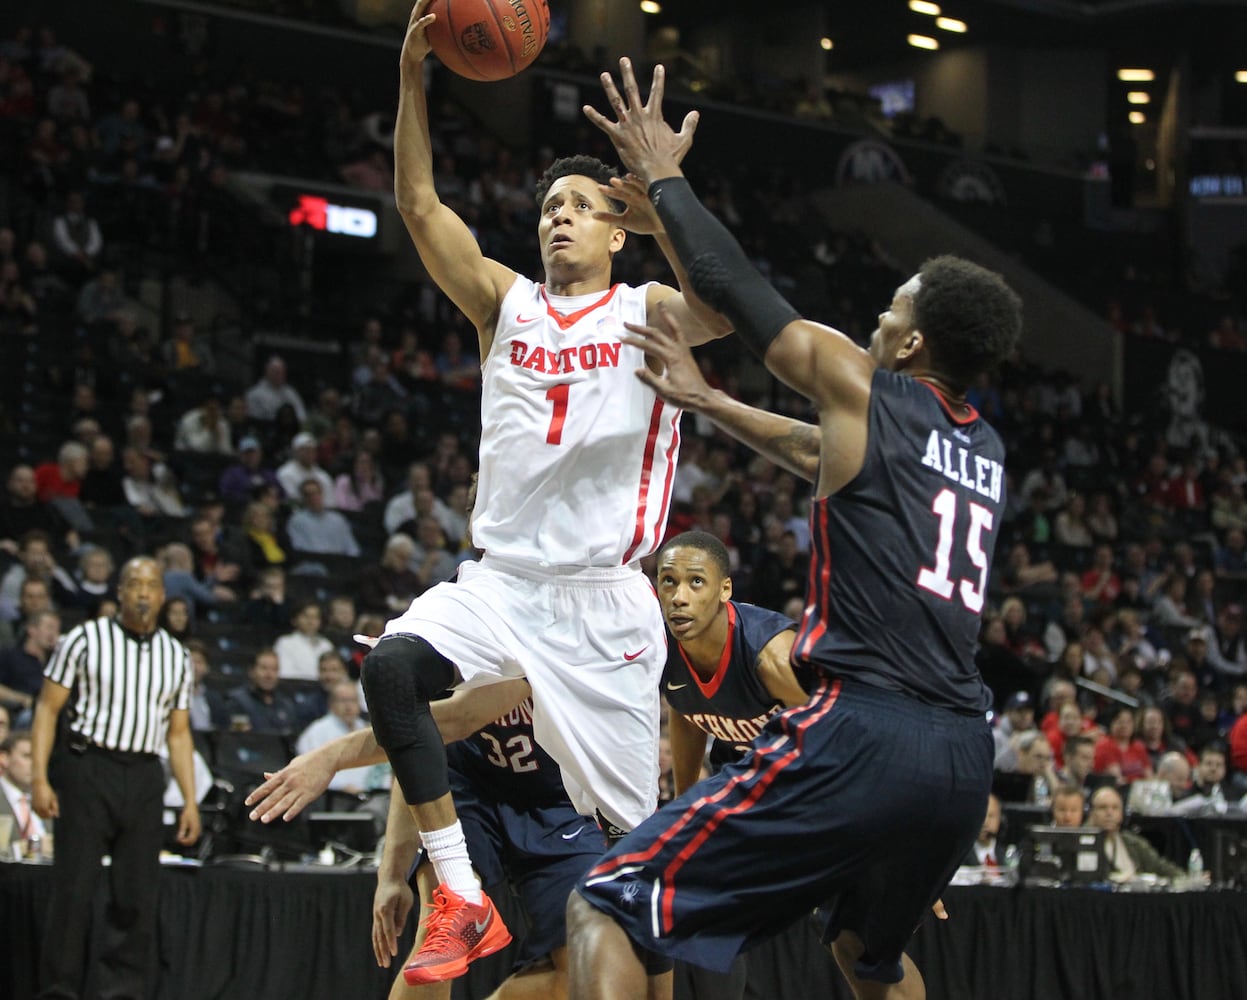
{"type": "Point", "coordinates": [110, 804]}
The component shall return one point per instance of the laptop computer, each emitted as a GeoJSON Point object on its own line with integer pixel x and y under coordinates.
{"type": "Point", "coordinates": [1071, 855]}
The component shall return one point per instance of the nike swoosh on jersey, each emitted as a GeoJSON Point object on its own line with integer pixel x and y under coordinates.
{"type": "Point", "coordinates": [573, 835]}
{"type": "Point", "coordinates": [632, 656]}
{"type": "Point", "coordinates": [675, 687]}
{"type": "Point", "coordinates": [521, 318]}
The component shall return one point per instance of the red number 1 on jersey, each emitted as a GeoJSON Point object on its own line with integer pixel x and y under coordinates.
{"type": "Point", "coordinates": [937, 579]}
{"type": "Point", "coordinates": [557, 394]}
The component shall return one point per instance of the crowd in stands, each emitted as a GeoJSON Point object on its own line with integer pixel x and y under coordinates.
{"type": "Point", "coordinates": [288, 515]}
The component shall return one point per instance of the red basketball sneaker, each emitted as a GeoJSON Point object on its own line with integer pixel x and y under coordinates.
{"type": "Point", "coordinates": [458, 932]}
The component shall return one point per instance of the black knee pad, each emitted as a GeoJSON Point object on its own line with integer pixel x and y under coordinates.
{"type": "Point", "coordinates": [400, 675]}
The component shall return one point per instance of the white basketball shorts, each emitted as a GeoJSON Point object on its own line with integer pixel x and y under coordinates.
{"type": "Point", "coordinates": [591, 643]}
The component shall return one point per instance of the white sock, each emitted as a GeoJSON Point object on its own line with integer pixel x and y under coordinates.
{"type": "Point", "coordinates": [448, 850]}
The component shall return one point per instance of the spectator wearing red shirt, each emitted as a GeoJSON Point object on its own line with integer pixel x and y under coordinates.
{"type": "Point", "coordinates": [62, 478]}
{"type": "Point", "coordinates": [1184, 491]}
{"type": "Point", "coordinates": [1100, 583]}
{"type": "Point", "coordinates": [1119, 753]}
{"type": "Point", "coordinates": [1060, 693]}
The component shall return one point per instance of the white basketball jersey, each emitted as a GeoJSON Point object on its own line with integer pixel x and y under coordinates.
{"type": "Point", "coordinates": [577, 454]}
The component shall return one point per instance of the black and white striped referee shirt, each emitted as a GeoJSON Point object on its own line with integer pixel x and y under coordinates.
{"type": "Point", "coordinates": [127, 685]}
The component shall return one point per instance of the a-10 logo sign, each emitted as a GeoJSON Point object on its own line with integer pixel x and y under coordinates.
{"type": "Point", "coordinates": [320, 213]}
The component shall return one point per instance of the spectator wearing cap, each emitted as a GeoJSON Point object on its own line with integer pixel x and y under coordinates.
{"type": "Point", "coordinates": [241, 482]}
{"type": "Point", "coordinates": [1018, 717]}
{"type": "Point", "coordinates": [302, 466]}
{"type": "Point", "coordinates": [1228, 651]}
{"type": "Point", "coordinates": [271, 393]}
{"type": "Point", "coordinates": [204, 429]}
{"type": "Point", "coordinates": [186, 352]}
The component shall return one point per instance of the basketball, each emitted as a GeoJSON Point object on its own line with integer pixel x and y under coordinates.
{"type": "Point", "coordinates": [488, 39]}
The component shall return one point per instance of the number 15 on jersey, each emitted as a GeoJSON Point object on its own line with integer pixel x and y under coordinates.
{"type": "Point", "coordinates": [937, 579]}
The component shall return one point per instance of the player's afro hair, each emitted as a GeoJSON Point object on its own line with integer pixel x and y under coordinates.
{"type": "Point", "coordinates": [971, 320]}
{"type": "Point", "coordinates": [707, 543]}
{"type": "Point", "coordinates": [586, 166]}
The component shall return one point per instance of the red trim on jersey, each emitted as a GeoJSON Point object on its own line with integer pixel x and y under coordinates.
{"type": "Point", "coordinates": [711, 687]}
{"type": "Point", "coordinates": [572, 318]}
{"type": "Point", "coordinates": [973, 415]}
{"type": "Point", "coordinates": [819, 586]}
{"type": "Point", "coordinates": [665, 509]}
{"type": "Point", "coordinates": [756, 780]}
{"type": "Point", "coordinates": [647, 470]}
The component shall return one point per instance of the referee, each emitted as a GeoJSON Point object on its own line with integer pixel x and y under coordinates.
{"type": "Point", "coordinates": [133, 694]}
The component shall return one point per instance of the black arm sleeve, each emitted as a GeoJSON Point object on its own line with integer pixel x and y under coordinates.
{"type": "Point", "coordinates": [718, 269]}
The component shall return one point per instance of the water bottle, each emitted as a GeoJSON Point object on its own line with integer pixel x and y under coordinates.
{"type": "Point", "coordinates": [1217, 800]}
{"type": "Point", "coordinates": [34, 847]}
{"type": "Point", "coordinates": [1195, 864]}
{"type": "Point", "coordinates": [1013, 857]}
{"type": "Point", "coordinates": [1041, 793]}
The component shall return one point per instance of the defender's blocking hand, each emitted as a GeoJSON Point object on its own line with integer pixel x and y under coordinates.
{"type": "Point", "coordinates": [644, 141]}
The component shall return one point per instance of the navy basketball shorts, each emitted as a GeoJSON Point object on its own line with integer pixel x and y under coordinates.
{"type": "Point", "coordinates": [862, 801]}
{"type": "Point", "coordinates": [541, 852]}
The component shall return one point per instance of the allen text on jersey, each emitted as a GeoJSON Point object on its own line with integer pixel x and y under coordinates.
{"type": "Point", "coordinates": [983, 475]}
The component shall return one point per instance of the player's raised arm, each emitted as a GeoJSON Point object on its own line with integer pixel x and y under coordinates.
{"type": "Point", "coordinates": [446, 246]}
{"type": "Point", "coordinates": [791, 444]}
{"type": "Point", "coordinates": [817, 361]}
{"type": "Point", "coordinates": [701, 323]}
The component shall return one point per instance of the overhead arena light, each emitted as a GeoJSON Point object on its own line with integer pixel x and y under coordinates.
{"type": "Point", "coordinates": [922, 42]}
{"type": "Point", "coordinates": [951, 24]}
{"type": "Point", "coordinates": [826, 44]}
{"type": "Point", "coordinates": [1136, 75]}
{"type": "Point", "coordinates": [1138, 97]}
{"type": "Point", "coordinates": [651, 7]}
{"type": "Point", "coordinates": [1137, 117]}
{"type": "Point", "coordinates": [922, 7]}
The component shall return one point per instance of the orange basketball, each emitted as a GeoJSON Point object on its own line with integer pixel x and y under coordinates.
{"type": "Point", "coordinates": [488, 39]}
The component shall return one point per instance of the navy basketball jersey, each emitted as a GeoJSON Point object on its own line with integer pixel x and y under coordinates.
{"type": "Point", "coordinates": [733, 706]}
{"type": "Point", "coordinates": [900, 555]}
{"type": "Point", "coordinates": [503, 763]}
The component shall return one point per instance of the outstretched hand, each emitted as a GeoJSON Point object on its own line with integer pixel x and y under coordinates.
{"type": "Point", "coordinates": [285, 793]}
{"type": "Point", "coordinates": [644, 141]}
{"type": "Point", "coordinates": [679, 380]}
